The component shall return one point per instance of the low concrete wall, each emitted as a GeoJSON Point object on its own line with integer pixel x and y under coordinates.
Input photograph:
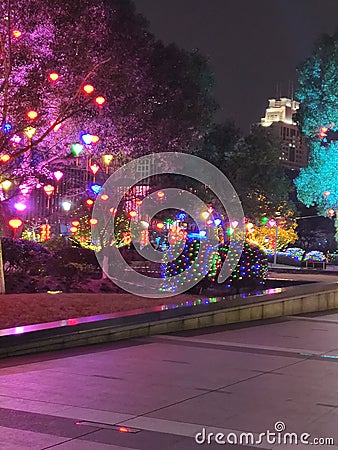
{"type": "Point", "coordinates": [291, 301]}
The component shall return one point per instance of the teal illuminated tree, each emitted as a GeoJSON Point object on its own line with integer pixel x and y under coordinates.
{"type": "Point", "coordinates": [317, 184]}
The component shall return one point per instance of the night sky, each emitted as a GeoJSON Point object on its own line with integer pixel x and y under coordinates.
{"type": "Point", "coordinates": [251, 44]}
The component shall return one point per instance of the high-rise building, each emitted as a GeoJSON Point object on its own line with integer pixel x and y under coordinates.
{"type": "Point", "coordinates": [280, 116]}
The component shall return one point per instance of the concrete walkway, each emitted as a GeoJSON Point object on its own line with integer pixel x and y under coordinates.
{"type": "Point", "coordinates": [166, 389]}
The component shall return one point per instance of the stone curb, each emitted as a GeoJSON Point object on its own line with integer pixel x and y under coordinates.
{"type": "Point", "coordinates": [289, 301]}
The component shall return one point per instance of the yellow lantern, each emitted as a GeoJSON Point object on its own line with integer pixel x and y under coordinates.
{"type": "Point", "coordinates": [5, 185]}
{"type": "Point", "coordinates": [107, 159]}
{"type": "Point", "coordinates": [29, 132]}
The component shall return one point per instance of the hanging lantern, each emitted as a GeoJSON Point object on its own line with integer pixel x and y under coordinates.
{"type": "Point", "coordinates": [76, 150]}
{"type": "Point", "coordinates": [6, 127]}
{"type": "Point", "coordinates": [73, 230]}
{"type": "Point", "coordinates": [75, 223]}
{"type": "Point", "coordinates": [15, 139]}
{"type": "Point", "coordinates": [20, 206]}
{"type": "Point", "coordinates": [100, 101]}
{"type": "Point", "coordinates": [104, 197]}
{"type": "Point", "coordinates": [16, 34]}
{"type": "Point", "coordinates": [132, 213]}
{"type": "Point", "coordinates": [89, 202]}
{"type": "Point", "coordinates": [53, 76]}
{"type": "Point", "coordinates": [6, 184]}
{"type": "Point", "coordinates": [87, 138]}
{"type": "Point", "coordinates": [94, 168]}
{"type": "Point", "coordinates": [138, 202]}
{"type": "Point", "coordinates": [330, 212]}
{"type": "Point", "coordinates": [15, 224]}
{"type": "Point", "coordinates": [95, 139]}
{"type": "Point", "coordinates": [326, 194]}
{"type": "Point", "coordinates": [107, 159]}
{"type": "Point", "coordinates": [49, 190]}
{"type": "Point", "coordinates": [29, 132]}
{"type": "Point", "coordinates": [96, 188]}
{"type": "Point", "coordinates": [93, 222]}
{"type": "Point", "coordinates": [58, 175]}
{"type": "Point", "coordinates": [88, 89]}
{"type": "Point", "coordinates": [32, 115]}
{"type": "Point", "coordinates": [56, 127]}
{"type": "Point", "coordinates": [160, 225]}
{"type": "Point", "coordinates": [160, 195]}
{"type": "Point", "coordinates": [5, 158]}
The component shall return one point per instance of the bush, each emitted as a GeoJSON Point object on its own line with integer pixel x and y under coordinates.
{"type": "Point", "coordinates": [21, 256]}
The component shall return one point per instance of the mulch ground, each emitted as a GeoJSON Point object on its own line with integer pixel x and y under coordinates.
{"type": "Point", "coordinates": [27, 309]}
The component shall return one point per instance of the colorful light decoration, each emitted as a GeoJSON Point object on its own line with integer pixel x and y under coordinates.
{"type": "Point", "coordinates": [217, 222]}
{"type": "Point", "coordinates": [6, 127]}
{"type": "Point", "coordinates": [15, 139]}
{"type": "Point", "coordinates": [49, 190]}
{"type": "Point", "coordinates": [93, 222]}
{"type": "Point", "coordinates": [104, 197]}
{"type": "Point", "coordinates": [88, 89]}
{"type": "Point", "coordinates": [73, 230]}
{"type": "Point", "coordinates": [53, 76]}
{"type": "Point", "coordinates": [330, 212]}
{"type": "Point", "coordinates": [95, 139]}
{"type": "Point", "coordinates": [89, 202]}
{"type": "Point", "coordinates": [160, 195]}
{"type": "Point", "coordinates": [5, 158]}
{"type": "Point", "coordinates": [16, 34]}
{"type": "Point", "coordinates": [15, 224]}
{"type": "Point", "coordinates": [205, 215]}
{"type": "Point", "coordinates": [66, 205]}
{"type": "Point", "coordinates": [6, 184]}
{"type": "Point", "coordinates": [160, 225]}
{"type": "Point", "coordinates": [272, 223]}
{"type": "Point", "coordinates": [107, 160]}
{"type": "Point", "coordinates": [326, 194]}
{"type": "Point", "coordinates": [32, 115]}
{"type": "Point", "coordinates": [138, 202]}
{"type": "Point", "coordinates": [113, 210]}
{"type": "Point", "coordinates": [100, 100]}
{"type": "Point", "coordinates": [20, 206]}
{"type": "Point", "coordinates": [76, 150]}
{"type": "Point", "coordinates": [58, 175]}
{"type": "Point", "coordinates": [95, 188]}
{"type": "Point", "coordinates": [30, 132]}
{"type": "Point", "coordinates": [87, 138]}
{"type": "Point", "coordinates": [55, 126]}
{"type": "Point", "coordinates": [132, 214]}
{"type": "Point", "coordinates": [94, 168]}
{"type": "Point", "coordinates": [75, 223]}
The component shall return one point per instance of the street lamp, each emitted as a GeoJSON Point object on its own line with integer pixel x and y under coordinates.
{"type": "Point", "coordinates": [66, 205]}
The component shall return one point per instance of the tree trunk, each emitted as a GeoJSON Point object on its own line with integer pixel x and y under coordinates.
{"type": "Point", "coordinates": [2, 276]}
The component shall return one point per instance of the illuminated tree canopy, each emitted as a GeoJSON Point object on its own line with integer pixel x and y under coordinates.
{"type": "Point", "coordinates": [317, 184]}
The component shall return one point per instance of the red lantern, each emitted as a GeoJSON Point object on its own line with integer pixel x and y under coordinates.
{"type": "Point", "coordinates": [53, 76]}
{"type": "Point", "coordinates": [16, 34]}
{"type": "Point", "coordinates": [100, 101]}
{"type": "Point", "coordinates": [49, 190]}
{"type": "Point", "coordinates": [94, 168]}
{"type": "Point", "coordinates": [32, 115]}
{"type": "Point", "coordinates": [73, 230]}
{"type": "Point", "coordinates": [15, 224]}
{"type": "Point", "coordinates": [75, 223]}
{"type": "Point", "coordinates": [89, 202]}
{"type": "Point", "coordinates": [88, 89]}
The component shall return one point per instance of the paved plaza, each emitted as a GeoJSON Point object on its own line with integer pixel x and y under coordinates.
{"type": "Point", "coordinates": [157, 393]}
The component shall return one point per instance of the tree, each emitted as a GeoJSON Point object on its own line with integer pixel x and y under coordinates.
{"type": "Point", "coordinates": [318, 93]}
{"type": "Point", "coordinates": [318, 87]}
{"type": "Point", "coordinates": [257, 176]}
{"type": "Point", "coordinates": [147, 97]}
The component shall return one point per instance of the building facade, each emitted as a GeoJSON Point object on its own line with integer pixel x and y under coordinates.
{"type": "Point", "coordinates": [280, 116]}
